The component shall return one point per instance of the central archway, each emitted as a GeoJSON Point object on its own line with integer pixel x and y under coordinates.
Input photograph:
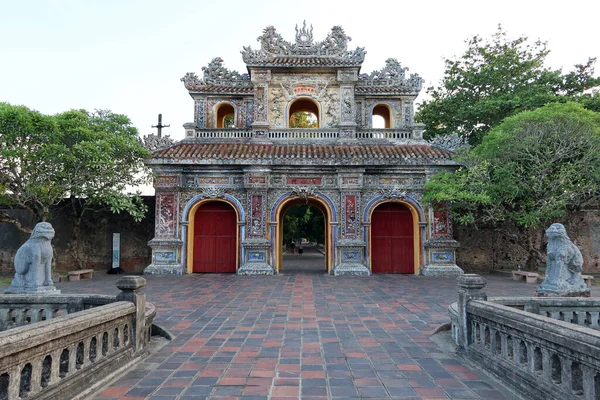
{"type": "Point", "coordinates": [280, 211]}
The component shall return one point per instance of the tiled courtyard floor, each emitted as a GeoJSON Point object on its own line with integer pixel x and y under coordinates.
{"type": "Point", "coordinates": [301, 334]}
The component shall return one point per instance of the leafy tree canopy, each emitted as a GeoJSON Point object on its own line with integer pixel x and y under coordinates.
{"type": "Point", "coordinates": [78, 154]}
{"type": "Point", "coordinates": [303, 119]}
{"type": "Point", "coordinates": [497, 78]}
{"type": "Point", "coordinates": [304, 221]}
{"type": "Point", "coordinates": [529, 171]}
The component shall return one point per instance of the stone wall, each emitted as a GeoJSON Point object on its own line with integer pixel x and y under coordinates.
{"type": "Point", "coordinates": [95, 242]}
{"type": "Point", "coordinates": [483, 250]}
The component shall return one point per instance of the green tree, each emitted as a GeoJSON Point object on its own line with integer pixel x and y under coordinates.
{"type": "Point", "coordinates": [31, 173]}
{"type": "Point", "coordinates": [497, 78]}
{"type": "Point", "coordinates": [529, 171]}
{"type": "Point", "coordinates": [303, 119]}
{"type": "Point", "coordinates": [304, 221]}
{"type": "Point", "coordinates": [103, 162]}
{"type": "Point", "coordinates": [93, 159]}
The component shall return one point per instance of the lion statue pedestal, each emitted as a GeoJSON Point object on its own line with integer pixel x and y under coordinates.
{"type": "Point", "coordinates": [33, 262]}
{"type": "Point", "coordinates": [564, 263]}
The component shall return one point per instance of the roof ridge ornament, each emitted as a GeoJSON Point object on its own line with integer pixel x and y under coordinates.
{"type": "Point", "coordinates": [215, 74]}
{"type": "Point", "coordinates": [393, 74]}
{"type": "Point", "coordinates": [304, 37]}
{"type": "Point", "coordinates": [334, 47]}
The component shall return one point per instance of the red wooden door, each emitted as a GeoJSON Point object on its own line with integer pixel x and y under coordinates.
{"type": "Point", "coordinates": [392, 240]}
{"type": "Point", "coordinates": [215, 227]}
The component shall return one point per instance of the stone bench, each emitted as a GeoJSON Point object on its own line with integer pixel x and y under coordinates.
{"type": "Point", "coordinates": [589, 279]}
{"type": "Point", "coordinates": [81, 274]}
{"type": "Point", "coordinates": [528, 277]}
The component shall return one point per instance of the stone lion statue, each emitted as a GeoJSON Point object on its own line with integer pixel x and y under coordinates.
{"type": "Point", "coordinates": [33, 261]}
{"type": "Point", "coordinates": [563, 266]}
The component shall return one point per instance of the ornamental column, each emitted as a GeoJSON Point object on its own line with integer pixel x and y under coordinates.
{"type": "Point", "coordinates": [347, 79]}
{"type": "Point", "coordinates": [256, 246]}
{"type": "Point", "coordinates": [166, 245]}
{"type": "Point", "coordinates": [441, 247]}
{"type": "Point", "coordinates": [260, 80]}
{"type": "Point", "coordinates": [351, 244]}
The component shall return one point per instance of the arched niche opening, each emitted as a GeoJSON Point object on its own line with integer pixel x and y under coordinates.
{"type": "Point", "coordinates": [304, 113]}
{"type": "Point", "coordinates": [381, 117]}
{"type": "Point", "coordinates": [225, 116]}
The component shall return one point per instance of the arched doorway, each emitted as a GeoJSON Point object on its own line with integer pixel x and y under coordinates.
{"type": "Point", "coordinates": [392, 239]}
{"type": "Point", "coordinates": [215, 238]}
{"type": "Point", "coordinates": [279, 213]}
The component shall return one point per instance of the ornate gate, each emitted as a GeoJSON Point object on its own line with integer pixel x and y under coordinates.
{"type": "Point", "coordinates": [392, 240]}
{"type": "Point", "coordinates": [215, 227]}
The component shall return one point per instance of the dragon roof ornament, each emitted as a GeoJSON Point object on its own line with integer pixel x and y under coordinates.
{"type": "Point", "coordinates": [273, 46]}
{"type": "Point", "coordinates": [394, 75]}
{"type": "Point", "coordinates": [215, 74]}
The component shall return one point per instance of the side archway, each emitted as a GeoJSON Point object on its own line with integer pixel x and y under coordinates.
{"type": "Point", "coordinates": [282, 204]}
{"type": "Point", "coordinates": [417, 218]}
{"type": "Point", "coordinates": [189, 230]}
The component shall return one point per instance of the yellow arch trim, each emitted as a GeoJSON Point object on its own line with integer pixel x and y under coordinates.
{"type": "Point", "coordinates": [416, 233]}
{"type": "Point", "coordinates": [190, 232]}
{"type": "Point", "coordinates": [280, 211]}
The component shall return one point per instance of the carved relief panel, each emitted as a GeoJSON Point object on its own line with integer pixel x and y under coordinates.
{"type": "Point", "coordinates": [347, 105]}
{"type": "Point", "coordinates": [167, 181]}
{"type": "Point", "coordinates": [256, 215]}
{"type": "Point", "coordinates": [441, 226]}
{"type": "Point", "coordinates": [350, 219]}
{"type": "Point", "coordinates": [166, 215]}
{"type": "Point", "coordinates": [200, 113]}
{"type": "Point", "coordinates": [260, 103]}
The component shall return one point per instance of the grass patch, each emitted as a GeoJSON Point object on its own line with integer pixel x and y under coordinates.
{"type": "Point", "coordinates": [5, 280]}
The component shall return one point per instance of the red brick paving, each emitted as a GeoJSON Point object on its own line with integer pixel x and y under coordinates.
{"type": "Point", "coordinates": [301, 335]}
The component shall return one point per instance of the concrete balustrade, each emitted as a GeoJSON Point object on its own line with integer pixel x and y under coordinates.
{"type": "Point", "coordinates": [542, 347]}
{"type": "Point", "coordinates": [67, 346]}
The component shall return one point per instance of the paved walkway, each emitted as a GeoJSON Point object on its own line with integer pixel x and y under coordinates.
{"type": "Point", "coordinates": [300, 335]}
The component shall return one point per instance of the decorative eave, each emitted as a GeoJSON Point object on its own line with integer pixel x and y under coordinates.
{"type": "Point", "coordinates": [274, 154]}
{"type": "Point", "coordinates": [391, 79]}
{"type": "Point", "coordinates": [217, 76]}
{"type": "Point", "coordinates": [276, 52]}
{"type": "Point", "coordinates": [231, 90]}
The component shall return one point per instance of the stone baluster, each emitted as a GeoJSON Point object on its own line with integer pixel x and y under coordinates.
{"type": "Point", "coordinates": [130, 291]}
{"type": "Point", "coordinates": [594, 319]}
{"type": "Point", "coordinates": [546, 365]}
{"type": "Point", "coordinates": [470, 288]}
{"type": "Point", "coordinates": [589, 386]}
{"type": "Point", "coordinates": [14, 383]}
{"type": "Point", "coordinates": [566, 374]}
{"type": "Point", "coordinates": [54, 373]}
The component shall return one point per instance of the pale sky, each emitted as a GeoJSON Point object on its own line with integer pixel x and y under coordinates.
{"type": "Point", "coordinates": [128, 56]}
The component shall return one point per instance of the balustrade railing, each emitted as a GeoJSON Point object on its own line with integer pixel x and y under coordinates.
{"type": "Point", "coordinates": [542, 347]}
{"type": "Point", "coordinates": [223, 133]}
{"type": "Point", "coordinates": [384, 134]}
{"type": "Point", "coordinates": [303, 134]}
{"type": "Point", "coordinates": [67, 346]}
{"type": "Point", "coordinates": [19, 310]}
